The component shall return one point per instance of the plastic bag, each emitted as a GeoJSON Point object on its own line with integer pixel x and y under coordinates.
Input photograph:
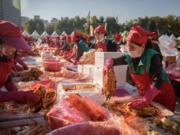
{"type": "Point", "coordinates": [88, 128]}
{"type": "Point", "coordinates": [167, 42]}
{"type": "Point", "coordinates": [63, 115]}
{"type": "Point", "coordinates": [167, 46]}
{"type": "Point", "coordinates": [87, 106]}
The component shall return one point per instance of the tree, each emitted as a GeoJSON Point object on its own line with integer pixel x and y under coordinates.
{"type": "Point", "coordinates": [50, 28]}
{"type": "Point", "coordinates": [101, 20]}
{"type": "Point", "coordinates": [112, 26]}
{"type": "Point", "coordinates": [54, 20]}
{"type": "Point", "coordinates": [34, 24]}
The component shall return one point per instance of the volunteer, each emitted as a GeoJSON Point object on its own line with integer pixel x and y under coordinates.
{"type": "Point", "coordinates": [80, 46]}
{"type": "Point", "coordinates": [101, 42]}
{"type": "Point", "coordinates": [90, 41]}
{"type": "Point", "coordinates": [11, 39]}
{"type": "Point", "coordinates": [118, 41]}
{"type": "Point", "coordinates": [146, 70]}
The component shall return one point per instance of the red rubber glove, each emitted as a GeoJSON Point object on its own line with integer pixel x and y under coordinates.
{"type": "Point", "coordinates": [146, 100]}
{"type": "Point", "coordinates": [108, 64]}
{"type": "Point", "coordinates": [19, 96]}
{"type": "Point", "coordinates": [17, 68]}
{"type": "Point", "coordinates": [10, 86]}
{"type": "Point", "coordinates": [18, 59]}
{"type": "Point", "coordinates": [75, 62]}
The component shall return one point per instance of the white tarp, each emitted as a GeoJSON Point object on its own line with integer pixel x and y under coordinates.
{"type": "Point", "coordinates": [26, 34]}
{"type": "Point", "coordinates": [44, 34]}
{"type": "Point", "coordinates": [178, 38]}
{"type": "Point", "coordinates": [35, 34]}
{"type": "Point", "coordinates": [54, 34]}
{"type": "Point", "coordinates": [72, 33]}
{"type": "Point", "coordinates": [64, 33]}
{"type": "Point", "coordinates": [167, 46]}
{"type": "Point", "coordinates": [172, 37]}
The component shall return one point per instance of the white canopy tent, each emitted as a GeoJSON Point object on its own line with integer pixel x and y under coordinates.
{"type": "Point", "coordinates": [178, 38]}
{"type": "Point", "coordinates": [35, 34]}
{"type": "Point", "coordinates": [172, 37]}
{"type": "Point", "coordinates": [54, 34]}
{"type": "Point", "coordinates": [72, 33]}
{"type": "Point", "coordinates": [44, 34]}
{"type": "Point", "coordinates": [64, 33]}
{"type": "Point", "coordinates": [26, 34]}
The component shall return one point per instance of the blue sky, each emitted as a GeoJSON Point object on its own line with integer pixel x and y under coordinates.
{"type": "Point", "coordinates": [124, 9]}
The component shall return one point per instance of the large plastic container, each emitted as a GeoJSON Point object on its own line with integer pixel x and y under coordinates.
{"type": "Point", "coordinates": [52, 65]}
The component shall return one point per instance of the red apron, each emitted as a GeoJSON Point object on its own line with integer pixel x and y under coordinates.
{"type": "Point", "coordinates": [5, 70]}
{"type": "Point", "coordinates": [166, 96]}
{"type": "Point", "coordinates": [101, 45]}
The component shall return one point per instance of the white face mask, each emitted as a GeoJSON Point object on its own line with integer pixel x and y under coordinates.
{"type": "Point", "coordinates": [134, 54]}
{"type": "Point", "coordinates": [5, 53]}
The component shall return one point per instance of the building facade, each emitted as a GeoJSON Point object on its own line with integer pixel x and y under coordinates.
{"type": "Point", "coordinates": [10, 10]}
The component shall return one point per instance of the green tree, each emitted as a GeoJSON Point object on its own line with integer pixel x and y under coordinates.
{"type": "Point", "coordinates": [50, 28]}
{"type": "Point", "coordinates": [34, 24]}
{"type": "Point", "coordinates": [112, 26]}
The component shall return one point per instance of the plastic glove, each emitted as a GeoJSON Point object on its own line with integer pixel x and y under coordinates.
{"type": "Point", "coordinates": [75, 62]}
{"type": "Point", "coordinates": [108, 64]}
{"type": "Point", "coordinates": [19, 96]}
{"type": "Point", "coordinates": [18, 59]}
{"type": "Point", "coordinates": [17, 68]}
{"type": "Point", "coordinates": [146, 100]}
{"type": "Point", "coordinates": [10, 86]}
{"type": "Point", "coordinates": [178, 61]}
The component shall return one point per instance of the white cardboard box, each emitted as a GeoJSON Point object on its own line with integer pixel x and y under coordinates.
{"type": "Point", "coordinates": [80, 68]}
{"type": "Point", "coordinates": [100, 57]}
{"type": "Point", "coordinates": [88, 70]}
{"type": "Point", "coordinates": [120, 72]}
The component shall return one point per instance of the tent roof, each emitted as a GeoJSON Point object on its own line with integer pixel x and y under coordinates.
{"type": "Point", "coordinates": [64, 33]}
{"type": "Point", "coordinates": [25, 33]}
{"type": "Point", "coordinates": [44, 34]}
{"type": "Point", "coordinates": [54, 34]}
{"type": "Point", "coordinates": [35, 34]}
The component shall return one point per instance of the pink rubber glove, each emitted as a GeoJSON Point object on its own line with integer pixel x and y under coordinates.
{"type": "Point", "coordinates": [178, 61]}
{"type": "Point", "coordinates": [17, 68]}
{"type": "Point", "coordinates": [146, 100]}
{"type": "Point", "coordinates": [108, 64]}
{"type": "Point", "coordinates": [75, 62]}
{"type": "Point", "coordinates": [18, 59]}
{"type": "Point", "coordinates": [19, 96]}
{"type": "Point", "coordinates": [10, 86]}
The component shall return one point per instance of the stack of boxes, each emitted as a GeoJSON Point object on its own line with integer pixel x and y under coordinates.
{"type": "Point", "coordinates": [120, 71]}
{"type": "Point", "coordinates": [96, 71]}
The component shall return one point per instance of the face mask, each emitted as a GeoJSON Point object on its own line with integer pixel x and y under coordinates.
{"type": "Point", "coordinates": [5, 53]}
{"type": "Point", "coordinates": [134, 54]}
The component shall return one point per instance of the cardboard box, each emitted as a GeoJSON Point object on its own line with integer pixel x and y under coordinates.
{"type": "Point", "coordinates": [88, 70]}
{"type": "Point", "coordinates": [120, 72]}
{"type": "Point", "coordinates": [101, 57]}
{"type": "Point", "coordinates": [80, 68]}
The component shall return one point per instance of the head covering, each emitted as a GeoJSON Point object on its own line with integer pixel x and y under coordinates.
{"type": "Point", "coordinates": [63, 37]}
{"type": "Point", "coordinates": [154, 36]}
{"type": "Point", "coordinates": [76, 36]}
{"type": "Point", "coordinates": [68, 38]}
{"type": "Point", "coordinates": [100, 29]}
{"type": "Point", "coordinates": [118, 37]}
{"type": "Point", "coordinates": [89, 38]}
{"type": "Point", "coordinates": [138, 35]}
{"type": "Point", "coordinates": [11, 34]}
